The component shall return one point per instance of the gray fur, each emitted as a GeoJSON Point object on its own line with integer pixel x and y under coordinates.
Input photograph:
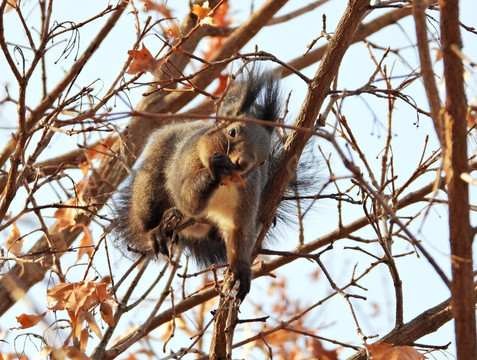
{"type": "Point", "coordinates": [191, 168]}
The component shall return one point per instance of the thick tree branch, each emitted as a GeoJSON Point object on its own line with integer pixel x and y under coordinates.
{"type": "Point", "coordinates": [456, 164]}
{"type": "Point", "coordinates": [317, 93]}
{"type": "Point", "coordinates": [426, 323]}
{"type": "Point", "coordinates": [419, 13]}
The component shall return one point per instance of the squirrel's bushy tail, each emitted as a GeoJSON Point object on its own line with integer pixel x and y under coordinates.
{"type": "Point", "coordinates": [149, 192]}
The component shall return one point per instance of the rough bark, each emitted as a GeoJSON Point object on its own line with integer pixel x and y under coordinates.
{"type": "Point", "coordinates": [317, 93]}
{"type": "Point", "coordinates": [456, 164]}
{"type": "Point", "coordinates": [427, 73]}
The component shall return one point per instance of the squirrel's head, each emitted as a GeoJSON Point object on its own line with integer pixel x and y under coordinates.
{"type": "Point", "coordinates": [248, 144]}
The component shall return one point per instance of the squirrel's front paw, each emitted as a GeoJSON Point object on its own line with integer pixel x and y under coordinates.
{"type": "Point", "coordinates": [220, 165]}
{"type": "Point", "coordinates": [162, 234]}
{"type": "Point", "coordinates": [170, 219]}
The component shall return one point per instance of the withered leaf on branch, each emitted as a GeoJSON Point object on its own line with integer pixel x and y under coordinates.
{"type": "Point", "coordinates": [106, 311]}
{"type": "Point", "coordinates": [43, 353]}
{"type": "Point", "coordinates": [202, 13]}
{"type": "Point", "coordinates": [92, 324]}
{"type": "Point", "coordinates": [11, 4]}
{"type": "Point", "coordinates": [27, 321]}
{"type": "Point", "coordinates": [79, 331]}
{"type": "Point", "coordinates": [67, 215]}
{"type": "Point", "coordinates": [77, 297]}
{"type": "Point", "coordinates": [385, 351]}
{"type": "Point", "coordinates": [14, 244]}
{"type": "Point", "coordinates": [75, 353]}
{"type": "Point", "coordinates": [321, 353]}
{"type": "Point", "coordinates": [143, 61]}
{"type": "Point", "coordinates": [84, 339]}
{"type": "Point", "coordinates": [86, 245]}
{"type": "Point", "coordinates": [214, 43]}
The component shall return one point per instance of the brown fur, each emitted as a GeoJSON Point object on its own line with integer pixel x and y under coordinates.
{"type": "Point", "coordinates": [210, 173]}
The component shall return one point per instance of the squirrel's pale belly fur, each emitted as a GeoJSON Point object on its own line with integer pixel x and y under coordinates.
{"type": "Point", "coordinates": [211, 174]}
{"type": "Point", "coordinates": [221, 211]}
{"type": "Point", "coordinates": [222, 206]}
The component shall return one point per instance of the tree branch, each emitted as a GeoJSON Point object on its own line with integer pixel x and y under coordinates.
{"type": "Point", "coordinates": [419, 13]}
{"type": "Point", "coordinates": [426, 323]}
{"type": "Point", "coordinates": [456, 164]}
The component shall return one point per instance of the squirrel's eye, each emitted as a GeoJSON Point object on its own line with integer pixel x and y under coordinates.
{"type": "Point", "coordinates": [233, 132]}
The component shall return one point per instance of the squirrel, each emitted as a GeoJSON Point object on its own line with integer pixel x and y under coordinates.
{"type": "Point", "coordinates": [203, 183]}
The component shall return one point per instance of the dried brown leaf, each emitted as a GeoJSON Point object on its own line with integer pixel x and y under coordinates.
{"type": "Point", "coordinates": [105, 280]}
{"type": "Point", "coordinates": [84, 339]}
{"type": "Point", "coordinates": [85, 168]}
{"type": "Point", "coordinates": [98, 151]}
{"type": "Point", "coordinates": [11, 4]}
{"type": "Point", "coordinates": [66, 215]}
{"type": "Point", "coordinates": [321, 353]}
{"type": "Point", "coordinates": [143, 61]}
{"type": "Point", "coordinates": [77, 297]}
{"type": "Point", "coordinates": [281, 337]}
{"type": "Point", "coordinates": [27, 321]}
{"type": "Point", "coordinates": [74, 353]}
{"type": "Point", "coordinates": [62, 295]}
{"type": "Point", "coordinates": [203, 11]}
{"type": "Point", "coordinates": [14, 244]}
{"type": "Point", "coordinates": [213, 44]}
{"type": "Point", "coordinates": [78, 324]}
{"type": "Point", "coordinates": [43, 353]}
{"type": "Point", "coordinates": [92, 324]}
{"type": "Point", "coordinates": [384, 351]}
{"type": "Point", "coordinates": [221, 15]}
{"type": "Point", "coordinates": [166, 330]}
{"type": "Point", "coordinates": [86, 245]}
{"type": "Point", "coordinates": [106, 312]}
{"type": "Point", "coordinates": [223, 80]}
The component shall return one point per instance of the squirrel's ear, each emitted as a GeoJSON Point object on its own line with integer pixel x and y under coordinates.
{"type": "Point", "coordinates": [233, 100]}
{"type": "Point", "coordinates": [257, 96]}
{"type": "Point", "coordinates": [263, 96]}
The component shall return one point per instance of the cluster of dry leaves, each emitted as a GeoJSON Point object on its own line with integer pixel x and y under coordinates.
{"type": "Point", "coordinates": [80, 300]}
{"type": "Point", "coordinates": [144, 61]}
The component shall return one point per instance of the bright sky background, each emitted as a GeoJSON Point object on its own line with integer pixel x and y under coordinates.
{"type": "Point", "coordinates": [421, 286]}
